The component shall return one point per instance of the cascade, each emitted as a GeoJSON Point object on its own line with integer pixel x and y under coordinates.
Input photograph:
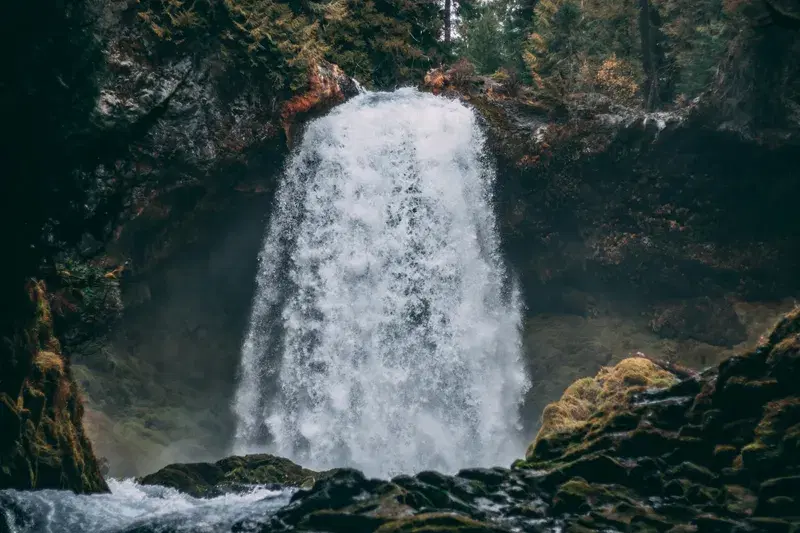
{"type": "Point", "coordinates": [384, 332]}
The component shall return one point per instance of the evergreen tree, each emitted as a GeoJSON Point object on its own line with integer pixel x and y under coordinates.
{"type": "Point", "coordinates": [383, 43]}
{"type": "Point", "coordinates": [482, 41]}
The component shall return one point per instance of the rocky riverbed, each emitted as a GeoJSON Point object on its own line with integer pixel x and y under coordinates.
{"type": "Point", "coordinates": [644, 446]}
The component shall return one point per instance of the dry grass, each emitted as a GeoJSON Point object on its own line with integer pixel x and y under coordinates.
{"type": "Point", "coordinates": [47, 361]}
{"type": "Point", "coordinates": [608, 392]}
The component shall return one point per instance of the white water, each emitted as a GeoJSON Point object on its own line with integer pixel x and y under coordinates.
{"type": "Point", "coordinates": [385, 331]}
{"type": "Point", "coordinates": [131, 506]}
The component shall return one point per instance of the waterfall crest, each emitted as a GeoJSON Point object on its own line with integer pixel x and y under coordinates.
{"type": "Point", "coordinates": [384, 333]}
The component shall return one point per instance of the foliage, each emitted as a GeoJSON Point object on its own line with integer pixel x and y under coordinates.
{"type": "Point", "coordinates": [461, 73]}
{"type": "Point", "coordinates": [483, 41]}
{"type": "Point", "coordinates": [695, 47]}
{"type": "Point", "coordinates": [382, 43]}
{"type": "Point", "coordinates": [697, 37]}
{"type": "Point", "coordinates": [583, 47]}
{"type": "Point", "coordinates": [509, 78]}
{"type": "Point", "coordinates": [87, 300]}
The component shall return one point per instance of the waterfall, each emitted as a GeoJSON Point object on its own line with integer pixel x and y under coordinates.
{"type": "Point", "coordinates": [384, 332]}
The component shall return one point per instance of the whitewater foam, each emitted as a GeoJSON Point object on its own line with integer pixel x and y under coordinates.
{"type": "Point", "coordinates": [130, 506]}
{"type": "Point", "coordinates": [384, 333]}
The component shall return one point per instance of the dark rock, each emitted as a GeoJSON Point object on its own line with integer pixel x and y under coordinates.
{"type": "Point", "coordinates": [339, 522]}
{"type": "Point", "coordinates": [778, 506]}
{"type": "Point", "coordinates": [723, 456]}
{"type": "Point", "coordinates": [702, 319]}
{"type": "Point", "coordinates": [599, 468]}
{"type": "Point", "coordinates": [487, 476]}
{"type": "Point", "coordinates": [230, 474]}
{"type": "Point", "coordinates": [440, 523]}
{"type": "Point", "coordinates": [714, 524]}
{"type": "Point", "coordinates": [779, 486]}
{"type": "Point", "coordinates": [693, 472]}
{"type": "Point", "coordinates": [766, 525]}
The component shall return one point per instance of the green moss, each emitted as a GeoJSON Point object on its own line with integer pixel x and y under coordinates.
{"type": "Point", "coordinates": [46, 446]}
{"type": "Point", "coordinates": [591, 404]}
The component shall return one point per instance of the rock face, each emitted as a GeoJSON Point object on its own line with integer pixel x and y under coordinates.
{"type": "Point", "coordinates": [667, 233]}
{"type": "Point", "coordinates": [212, 479]}
{"type": "Point", "coordinates": [42, 441]}
{"type": "Point", "coordinates": [193, 131]}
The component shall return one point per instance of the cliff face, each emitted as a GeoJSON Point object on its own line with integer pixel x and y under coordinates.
{"type": "Point", "coordinates": [161, 136]}
{"type": "Point", "coordinates": [668, 233]}
{"type": "Point", "coordinates": [160, 129]}
{"type": "Point", "coordinates": [191, 190]}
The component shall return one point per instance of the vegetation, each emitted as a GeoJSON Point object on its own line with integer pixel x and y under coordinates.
{"type": "Point", "coordinates": [601, 396]}
{"type": "Point", "coordinates": [380, 42]}
{"type": "Point", "coordinates": [649, 53]}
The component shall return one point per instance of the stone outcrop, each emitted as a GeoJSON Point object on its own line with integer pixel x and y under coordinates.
{"type": "Point", "coordinates": [231, 474]}
{"type": "Point", "coordinates": [189, 135]}
{"type": "Point", "coordinates": [42, 441]}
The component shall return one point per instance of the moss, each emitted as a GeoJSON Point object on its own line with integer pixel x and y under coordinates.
{"type": "Point", "coordinates": [47, 361]}
{"type": "Point", "coordinates": [597, 400]}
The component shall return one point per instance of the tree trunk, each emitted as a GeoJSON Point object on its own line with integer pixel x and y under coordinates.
{"type": "Point", "coordinates": [448, 8]}
{"type": "Point", "coordinates": [648, 60]}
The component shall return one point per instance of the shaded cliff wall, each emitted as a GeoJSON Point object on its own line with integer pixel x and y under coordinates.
{"type": "Point", "coordinates": [129, 143]}
{"type": "Point", "coordinates": [666, 233]}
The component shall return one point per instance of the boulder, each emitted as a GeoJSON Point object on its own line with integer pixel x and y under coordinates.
{"type": "Point", "coordinates": [231, 474]}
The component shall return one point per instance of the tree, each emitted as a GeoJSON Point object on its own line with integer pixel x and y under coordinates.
{"type": "Point", "coordinates": [448, 19]}
{"type": "Point", "coordinates": [650, 86]}
{"type": "Point", "coordinates": [483, 40]}
{"type": "Point", "coordinates": [383, 43]}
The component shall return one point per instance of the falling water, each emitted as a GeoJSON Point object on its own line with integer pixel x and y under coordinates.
{"type": "Point", "coordinates": [384, 332]}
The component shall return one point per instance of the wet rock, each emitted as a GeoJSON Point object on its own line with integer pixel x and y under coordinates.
{"type": "Point", "coordinates": [439, 523]}
{"type": "Point", "coordinates": [765, 525]}
{"type": "Point", "coordinates": [231, 474]}
{"type": "Point", "coordinates": [617, 470]}
{"type": "Point", "coordinates": [702, 319]}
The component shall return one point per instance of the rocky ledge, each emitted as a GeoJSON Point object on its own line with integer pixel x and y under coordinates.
{"type": "Point", "coordinates": [642, 447]}
{"type": "Point", "coordinates": [231, 475]}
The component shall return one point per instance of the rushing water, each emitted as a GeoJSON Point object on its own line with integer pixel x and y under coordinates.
{"type": "Point", "coordinates": [131, 508]}
{"type": "Point", "coordinates": [385, 330]}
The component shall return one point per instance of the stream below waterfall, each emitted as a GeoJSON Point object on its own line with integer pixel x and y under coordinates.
{"type": "Point", "coordinates": [134, 508]}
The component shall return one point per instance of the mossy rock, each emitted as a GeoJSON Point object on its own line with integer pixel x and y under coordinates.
{"type": "Point", "coordinates": [591, 404]}
{"type": "Point", "coordinates": [439, 523]}
{"type": "Point", "coordinates": [231, 474]}
{"type": "Point", "coordinates": [42, 440]}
